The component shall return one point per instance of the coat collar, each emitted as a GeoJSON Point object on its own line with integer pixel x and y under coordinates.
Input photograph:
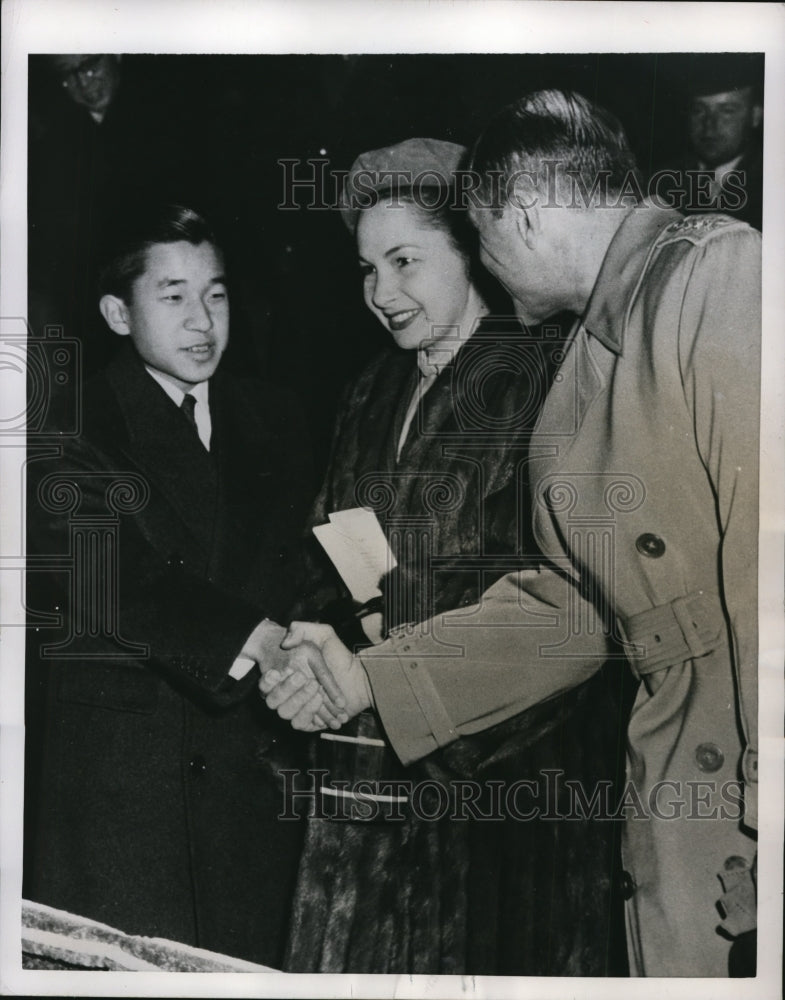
{"type": "Point", "coordinates": [162, 444]}
{"type": "Point", "coordinates": [605, 317]}
{"type": "Point", "coordinates": [151, 415]}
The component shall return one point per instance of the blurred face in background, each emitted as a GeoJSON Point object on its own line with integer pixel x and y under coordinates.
{"type": "Point", "coordinates": [720, 125]}
{"type": "Point", "coordinates": [415, 280]}
{"type": "Point", "coordinates": [91, 81]}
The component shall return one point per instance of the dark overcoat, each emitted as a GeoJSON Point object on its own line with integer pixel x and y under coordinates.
{"type": "Point", "coordinates": [149, 802]}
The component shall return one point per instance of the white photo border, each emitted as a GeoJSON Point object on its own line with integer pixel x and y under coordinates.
{"type": "Point", "coordinates": [389, 26]}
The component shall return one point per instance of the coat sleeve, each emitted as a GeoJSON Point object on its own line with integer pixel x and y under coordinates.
{"type": "Point", "coordinates": [136, 602]}
{"type": "Point", "coordinates": [467, 670]}
{"type": "Point", "coordinates": [719, 345]}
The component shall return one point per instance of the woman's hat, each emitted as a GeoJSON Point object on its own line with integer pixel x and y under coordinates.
{"type": "Point", "coordinates": [425, 163]}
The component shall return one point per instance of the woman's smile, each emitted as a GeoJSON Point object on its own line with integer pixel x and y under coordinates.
{"type": "Point", "coordinates": [400, 320]}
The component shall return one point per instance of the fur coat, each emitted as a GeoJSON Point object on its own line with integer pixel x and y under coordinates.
{"type": "Point", "coordinates": [404, 894]}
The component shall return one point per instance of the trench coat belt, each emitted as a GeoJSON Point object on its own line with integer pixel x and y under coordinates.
{"type": "Point", "coordinates": [685, 629]}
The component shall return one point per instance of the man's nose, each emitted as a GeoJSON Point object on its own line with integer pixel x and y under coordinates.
{"type": "Point", "coordinates": [87, 77]}
{"type": "Point", "coordinates": [710, 121]}
{"type": "Point", "coordinates": [199, 317]}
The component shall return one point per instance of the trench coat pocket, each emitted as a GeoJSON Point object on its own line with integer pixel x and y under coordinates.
{"type": "Point", "coordinates": [119, 688]}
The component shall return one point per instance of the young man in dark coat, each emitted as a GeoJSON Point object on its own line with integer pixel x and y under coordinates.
{"type": "Point", "coordinates": [168, 530]}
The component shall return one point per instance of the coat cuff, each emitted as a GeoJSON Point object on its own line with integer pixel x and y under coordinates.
{"type": "Point", "coordinates": [412, 712]}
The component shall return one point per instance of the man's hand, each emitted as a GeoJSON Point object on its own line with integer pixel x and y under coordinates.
{"type": "Point", "coordinates": [296, 699]}
{"type": "Point", "coordinates": [300, 670]}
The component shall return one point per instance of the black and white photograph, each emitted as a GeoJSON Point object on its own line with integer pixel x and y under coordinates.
{"type": "Point", "coordinates": [392, 536]}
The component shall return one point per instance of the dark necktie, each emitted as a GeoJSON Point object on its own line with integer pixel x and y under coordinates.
{"type": "Point", "coordinates": [188, 406]}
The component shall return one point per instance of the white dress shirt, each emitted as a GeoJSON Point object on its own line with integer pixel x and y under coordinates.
{"type": "Point", "coordinates": [200, 392]}
{"type": "Point", "coordinates": [720, 173]}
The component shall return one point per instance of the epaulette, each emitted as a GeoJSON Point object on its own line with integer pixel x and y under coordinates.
{"type": "Point", "coordinates": [697, 228]}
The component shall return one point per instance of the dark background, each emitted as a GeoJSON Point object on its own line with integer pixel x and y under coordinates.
{"type": "Point", "coordinates": [208, 131]}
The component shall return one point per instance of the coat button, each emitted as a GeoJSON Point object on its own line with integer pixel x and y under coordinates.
{"type": "Point", "coordinates": [650, 545]}
{"type": "Point", "coordinates": [709, 757]}
{"type": "Point", "coordinates": [626, 885]}
{"type": "Point", "coordinates": [198, 765]}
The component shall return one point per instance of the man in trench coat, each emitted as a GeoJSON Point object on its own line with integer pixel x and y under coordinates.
{"type": "Point", "coordinates": [644, 471]}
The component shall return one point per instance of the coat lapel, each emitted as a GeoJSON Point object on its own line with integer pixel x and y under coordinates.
{"type": "Point", "coordinates": [596, 343]}
{"type": "Point", "coordinates": [165, 448]}
{"type": "Point", "coordinates": [385, 407]}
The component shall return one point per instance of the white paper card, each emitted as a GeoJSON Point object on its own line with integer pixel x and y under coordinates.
{"type": "Point", "coordinates": [357, 547]}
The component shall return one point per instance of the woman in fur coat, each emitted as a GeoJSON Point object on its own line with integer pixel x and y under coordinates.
{"type": "Point", "coordinates": [451, 865]}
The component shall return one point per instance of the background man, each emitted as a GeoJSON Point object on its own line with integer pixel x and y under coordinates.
{"type": "Point", "coordinates": [644, 477]}
{"type": "Point", "coordinates": [722, 165]}
{"type": "Point", "coordinates": [91, 81]}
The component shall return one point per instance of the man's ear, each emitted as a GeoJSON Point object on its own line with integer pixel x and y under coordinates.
{"type": "Point", "coordinates": [524, 202]}
{"type": "Point", "coordinates": [757, 115]}
{"type": "Point", "coordinates": [527, 222]}
{"type": "Point", "coordinates": [115, 312]}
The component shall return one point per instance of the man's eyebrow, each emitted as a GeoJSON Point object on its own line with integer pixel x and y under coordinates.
{"type": "Point", "coordinates": [219, 279]}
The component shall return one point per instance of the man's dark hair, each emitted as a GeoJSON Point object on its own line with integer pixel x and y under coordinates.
{"type": "Point", "coordinates": [721, 72]}
{"type": "Point", "coordinates": [125, 255]}
{"type": "Point", "coordinates": [564, 128]}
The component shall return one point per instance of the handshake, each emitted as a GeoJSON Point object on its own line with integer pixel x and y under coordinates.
{"type": "Point", "coordinates": [308, 676]}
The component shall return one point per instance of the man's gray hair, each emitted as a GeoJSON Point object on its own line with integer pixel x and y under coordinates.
{"type": "Point", "coordinates": [549, 133]}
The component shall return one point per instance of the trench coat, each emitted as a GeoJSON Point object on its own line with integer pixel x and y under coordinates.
{"type": "Point", "coordinates": [150, 805]}
{"type": "Point", "coordinates": [644, 471]}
